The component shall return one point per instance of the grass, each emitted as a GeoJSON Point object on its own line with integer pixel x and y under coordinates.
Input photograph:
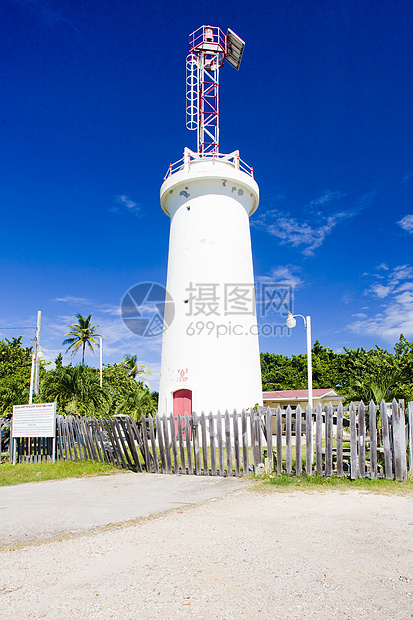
{"type": "Point", "coordinates": [315, 482]}
{"type": "Point", "coordinates": [38, 472]}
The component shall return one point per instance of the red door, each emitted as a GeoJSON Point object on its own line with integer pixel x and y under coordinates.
{"type": "Point", "coordinates": [182, 405]}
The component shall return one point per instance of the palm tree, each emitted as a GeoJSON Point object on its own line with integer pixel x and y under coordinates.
{"type": "Point", "coordinates": [76, 389]}
{"type": "Point", "coordinates": [130, 362]}
{"type": "Point", "coordinates": [374, 387]}
{"type": "Point", "coordinates": [81, 334]}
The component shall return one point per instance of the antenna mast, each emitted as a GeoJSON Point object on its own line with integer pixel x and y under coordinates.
{"type": "Point", "coordinates": [209, 48]}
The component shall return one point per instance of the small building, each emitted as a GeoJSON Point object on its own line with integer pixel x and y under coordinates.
{"type": "Point", "coordinates": [293, 398]}
{"type": "Point", "coordinates": [283, 398]}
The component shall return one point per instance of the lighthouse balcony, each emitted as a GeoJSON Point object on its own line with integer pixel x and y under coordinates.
{"type": "Point", "coordinates": [191, 159]}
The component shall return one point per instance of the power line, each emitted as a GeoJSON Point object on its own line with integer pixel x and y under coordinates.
{"type": "Point", "coordinates": [31, 327]}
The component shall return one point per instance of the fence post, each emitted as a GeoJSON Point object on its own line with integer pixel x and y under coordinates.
{"type": "Point", "coordinates": [298, 459]}
{"type": "Point", "coordinates": [188, 444]}
{"type": "Point", "coordinates": [362, 440]}
{"type": "Point", "coordinates": [279, 442]}
{"type": "Point", "coordinates": [212, 444]}
{"type": "Point", "coordinates": [244, 429]}
{"type": "Point", "coordinates": [400, 465]}
{"type": "Point", "coordinates": [153, 443]}
{"type": "Point", "coordinates": [173, 441]}
{"type": "Point", "coordinates": [195, 435]}
{"type": "Point", "coordinates": [339, 439]}
{"type": "Point", "coordinates": [329, 440]}
{"type": "Point", "coordinates": [236, 443]}
{"type": "Point", "coordinates": [410, 424]}
{"type": "Point", "coordinates": [288, 460]}
{"type": "Point", "coordinates": [373, 439]}
{"type": "Point", "coordinates": [388, 470]}
{"type": "Point", "coordinates": [309, 453]}
{"type": "Point", "coordinates": [228, 443]}
{"type": "Point", "coordinates": [353, 442]}
{"type": "Point", "coordinates": [268, 425]}
{"type": "Point", "coordinates": [220, 444]}
{"type": "Point", "coordinates": [319, 440]}
{"type": "Point", "coordinates": [160, 441]}
{"type": "Point", "coordinates": [204, 445]}
{"type": "Point", "coordinates": [180, 422]}
{"type": "Point", "coordinates": [166, 444]}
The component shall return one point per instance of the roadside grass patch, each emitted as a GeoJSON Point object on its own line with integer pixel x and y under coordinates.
{"type": "Point", "coordinates": [316, 482]}
{"type": "Point", "coordinates": [38, 472]}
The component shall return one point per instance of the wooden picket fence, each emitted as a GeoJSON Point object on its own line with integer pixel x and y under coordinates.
{"type": "Point", "coordinates": [341, 441]}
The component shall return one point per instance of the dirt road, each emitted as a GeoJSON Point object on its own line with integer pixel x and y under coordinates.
{"type": "Point", "coordinates": [291, 555]}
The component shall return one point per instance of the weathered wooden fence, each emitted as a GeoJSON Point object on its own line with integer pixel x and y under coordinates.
{"type": "Point", "coordinates": [358, 442]}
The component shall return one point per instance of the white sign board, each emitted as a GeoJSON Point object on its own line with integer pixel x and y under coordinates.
{"type": "Point", "coordinates": [37, 420]}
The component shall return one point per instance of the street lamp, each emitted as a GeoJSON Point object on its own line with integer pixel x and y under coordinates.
{"type": "Point", "coordinates": [291, 322]}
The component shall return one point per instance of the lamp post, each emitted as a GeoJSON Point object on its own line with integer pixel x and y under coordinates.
{"type": "Point", "coordinates": [291, 322]}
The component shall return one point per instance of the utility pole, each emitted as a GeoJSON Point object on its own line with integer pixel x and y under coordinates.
{"type": "Point", "coordinates": [34, 375]}
{"type": "Point", "coordinates": [38, 354]}
{"type": "Point", "coordinates": [101, 356]}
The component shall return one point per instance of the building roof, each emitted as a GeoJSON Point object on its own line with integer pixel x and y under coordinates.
{"type": "Point", "coordinates": [298, 394]}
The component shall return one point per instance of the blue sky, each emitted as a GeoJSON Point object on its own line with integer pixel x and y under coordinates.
{"type": "Point", "coordinates": [93, 112]}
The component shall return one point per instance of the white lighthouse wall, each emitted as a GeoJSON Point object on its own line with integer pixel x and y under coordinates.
{"type": "Point", "coordinates": [210, 244]}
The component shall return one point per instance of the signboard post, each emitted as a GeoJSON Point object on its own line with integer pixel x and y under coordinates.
{"type": "Point", "coordinates": [35, 420]}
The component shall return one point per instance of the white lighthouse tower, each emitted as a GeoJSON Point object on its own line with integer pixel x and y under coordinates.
{"type": "Point", "coordinates": [210, 350]}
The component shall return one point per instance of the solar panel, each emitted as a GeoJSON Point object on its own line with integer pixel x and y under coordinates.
{"type": "Point", "coordinates": [235, 48]}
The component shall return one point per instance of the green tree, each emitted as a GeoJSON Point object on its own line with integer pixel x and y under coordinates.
{"type": "Point", "coordinates": [76, 389]}
{"type": "Point", "coordinates": [358, 374]}
{"type": "Point", "coordinates": [280, 372]}
{"type": "Point", "coordinates": [82, 333]}
{"type": "Point", "coordinates": [15, 368]}
{"type": "Point", "coordinates": [129, 397]}
{"type": "Point", "coordinates": [403, 353]}
{"type": "Point", "coordinates": [374, 387]}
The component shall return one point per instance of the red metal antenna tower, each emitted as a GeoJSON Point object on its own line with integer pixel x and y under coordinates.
{"type": "Point", "coordinates": [209, 48]}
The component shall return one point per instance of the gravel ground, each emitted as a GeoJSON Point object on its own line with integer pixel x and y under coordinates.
{"type": "Point", "coordinates": [291, 555]}
{"type": "Point", "coordinates": [48, 509]}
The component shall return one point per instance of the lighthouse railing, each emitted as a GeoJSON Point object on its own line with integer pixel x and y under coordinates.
{"type": "Point", "coordinates": [190, 158]}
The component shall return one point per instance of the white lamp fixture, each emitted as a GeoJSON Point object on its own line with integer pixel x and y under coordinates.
{"type": "Point", "coordinates": [291, 322]}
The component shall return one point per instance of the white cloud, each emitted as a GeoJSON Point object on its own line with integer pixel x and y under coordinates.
{"type": "Point", "coordinates": [407, 286]}
{"type": "Point", "coordinates": [394, 282]}
{"type": "Point", "coordinates": [396, 318]}
{"type": "Point", "coordinates": [296, 233]}
{"type": "Point", "coordinates": [309, 232]}
{"type": "Point", "coordinates": [395, 315]}
{"type": "Point", "coordinates": [407, 223]}
{"type": "Point", "coordinates": [72, 299]}
{"type": "Point", "coordinates": [382, 266]}
{"type": "Point", "coordinates": [124, 202]}
{"type": "Point", "coordinates": [402, 272]}
{"type": "Point", "coordinates": [378, 290]}
{"type": "Point", "coordinates": [286, 274]}
{"type": "Point", "coordinates": [325, 197]}
{"type": "Point", "coordinates": [407, 176]}
{"type": "Point", "coordinates": [366, 200]}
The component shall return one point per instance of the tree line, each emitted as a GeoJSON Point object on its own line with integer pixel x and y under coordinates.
{"type": "Point", "coordinates": [76, 388]}
{"type": "Point", "coordinates": [358, 374]}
